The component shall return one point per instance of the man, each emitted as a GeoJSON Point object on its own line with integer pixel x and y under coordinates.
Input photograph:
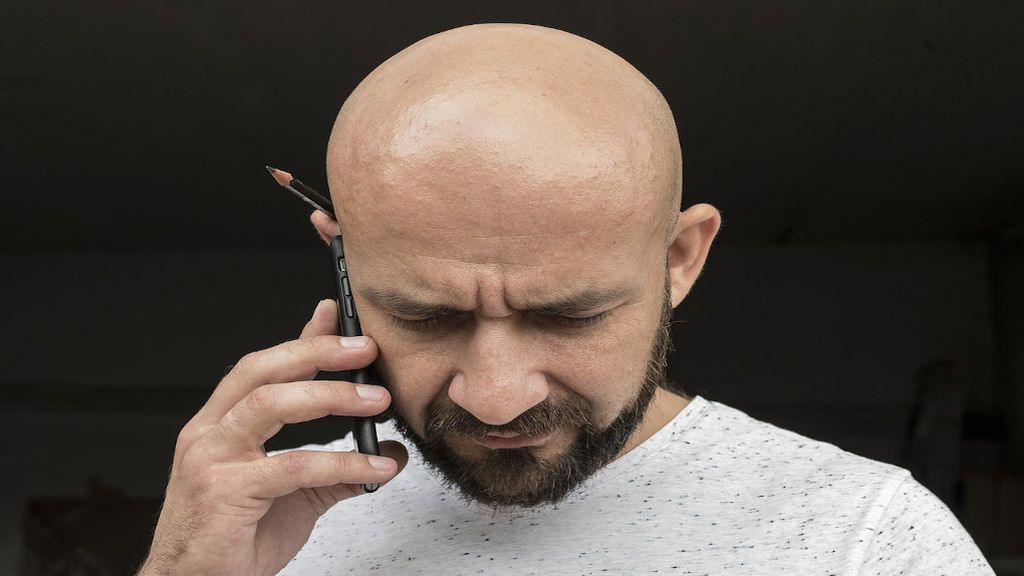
{"type": "Point", "coordinates": [509, 197]}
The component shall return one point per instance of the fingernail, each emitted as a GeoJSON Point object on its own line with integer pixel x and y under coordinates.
{"type": "Point", "coordinates": [354, 341]}
{"type": "Point", "coordinates": [369, 392]}
{"type": "Point", "coordinates": [381, 463]}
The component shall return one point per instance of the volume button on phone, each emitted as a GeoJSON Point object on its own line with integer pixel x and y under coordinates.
{"type": "Point", "coordinates": [345, 288]}
{"type": "Point", "coordinates": [349, 307]}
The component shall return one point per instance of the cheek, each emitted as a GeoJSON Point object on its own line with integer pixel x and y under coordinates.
{"type": "Point", "coordinates": [605, 368]}
{"type": "Point", "coordinates": [417, 372]}
{"type": "Point", "coordinates": [416, 378]}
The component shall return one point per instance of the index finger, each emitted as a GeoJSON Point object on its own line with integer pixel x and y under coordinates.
{"type": "Point", "coordinates": [287, 362]}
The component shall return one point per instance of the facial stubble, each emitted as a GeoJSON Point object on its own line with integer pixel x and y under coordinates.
{"type": "Point", "coordinates": [517, 476]}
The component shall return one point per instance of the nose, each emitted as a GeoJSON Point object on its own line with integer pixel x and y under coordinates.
{"type": "Point", "coordinates": [499, 376]}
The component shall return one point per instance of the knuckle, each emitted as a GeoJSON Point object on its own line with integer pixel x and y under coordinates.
{"type": "Point", "coordinates": [293, 463]}
{"type": "Point", "coordinates": [184, 440]}
{"type": "Point", "coordinates": [231, 422]}
{"type": "Point", "coordinates": [260, 399]}
{"type": "Point", "coordinates": [188, 436]}
{"type": "Point", "coordinates": [324, 345]}
{"type": "Point", "coordinates": [343, 465]}
{"type": "Point", "coordinates": [311, 388]}
{"type": "Point", "coordinates": [192, 469]}
{"type": "Point", "coordinates": [246, 363]}
{"type": "Point", "coordinates": [292, 348]}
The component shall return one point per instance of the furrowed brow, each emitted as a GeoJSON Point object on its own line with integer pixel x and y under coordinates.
{"type": "Point", "coordinates": [585, 300]}
{"type": "Point", "coordinates": [405, 305]}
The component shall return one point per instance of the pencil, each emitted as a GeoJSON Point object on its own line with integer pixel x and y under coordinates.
{"type": "Point", "coordinates": [302, 191]}
{"type": "Point", "coordinates": [364, 431]}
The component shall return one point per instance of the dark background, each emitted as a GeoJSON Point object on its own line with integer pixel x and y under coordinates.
{"type": "Point", "coordinates": [867, 287]}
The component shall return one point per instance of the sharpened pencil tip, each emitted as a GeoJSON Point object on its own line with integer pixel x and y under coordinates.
{"type": "Point", "coordinates": [283, 178]}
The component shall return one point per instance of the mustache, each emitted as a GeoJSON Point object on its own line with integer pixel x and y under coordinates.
{"type": "Point", "coordinates": [446, 417]}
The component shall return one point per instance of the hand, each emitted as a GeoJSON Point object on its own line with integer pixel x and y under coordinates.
{"type": "Point", "coordinates": [232, 510]}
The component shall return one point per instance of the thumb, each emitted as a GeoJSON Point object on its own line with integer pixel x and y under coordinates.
{"type": "Point", "coordinates": [397, 452]}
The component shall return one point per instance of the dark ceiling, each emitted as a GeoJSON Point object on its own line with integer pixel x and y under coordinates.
{"type": "Point", "coordinates": [138, 124]}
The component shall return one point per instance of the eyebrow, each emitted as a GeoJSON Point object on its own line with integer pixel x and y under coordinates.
{"type": "Point", "coordinates": [583, 300]}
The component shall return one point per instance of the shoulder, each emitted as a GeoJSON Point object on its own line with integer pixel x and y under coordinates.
{"type": "Point", "coordinates": [787, 474]}
{"type": "Point", "coordinates": [894, 524]}
{"type": "Point", "coordinates": [916, 533]}
{"type": "Point", "coordinates": [730, 433]}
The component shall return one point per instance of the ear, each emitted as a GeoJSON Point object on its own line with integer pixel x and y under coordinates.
{"type": "Point", "coordinates": [688, 248]}
{"type": "Point", "coordinates": [326, 226]}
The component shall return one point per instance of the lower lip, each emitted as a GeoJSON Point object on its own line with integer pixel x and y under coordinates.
{"type": "Point", "coordinates": [495, 443]}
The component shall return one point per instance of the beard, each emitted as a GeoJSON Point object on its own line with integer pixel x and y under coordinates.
{"type": "Point", "coordinates": [516, 476]}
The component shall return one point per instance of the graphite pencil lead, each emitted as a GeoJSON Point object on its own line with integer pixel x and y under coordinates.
{"type": "Point", "coordinates": [283, 178]}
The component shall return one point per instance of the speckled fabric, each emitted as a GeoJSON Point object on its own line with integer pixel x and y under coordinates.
{"type": "Point", "coordinates": [713, 492]}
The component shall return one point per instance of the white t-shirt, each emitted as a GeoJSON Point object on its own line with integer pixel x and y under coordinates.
{"type": "Point", "coordinates": [713, 492]}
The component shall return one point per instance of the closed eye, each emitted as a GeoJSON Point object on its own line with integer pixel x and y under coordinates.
{"type": "Point", "coordinates": [573, 321]}
{"type": "Point", "coordinates": [437, 321]}
{"type": "Point", "coordinates": [421, 324]}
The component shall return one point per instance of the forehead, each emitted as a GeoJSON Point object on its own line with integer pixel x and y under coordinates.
{"type": "Point", "coordinates": [487, 185]}
{"type": "Point", "coordinates": [419, 285]}
{"type": "Point", "coordinates": [508, 248]}
{"type": "Point", "coordinates": [501, 202]}
{"type": "Point", "coordinates": [533, 188]}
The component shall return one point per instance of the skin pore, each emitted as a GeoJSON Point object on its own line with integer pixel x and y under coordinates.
{"type": "Point", "coordinates": [509, 196]}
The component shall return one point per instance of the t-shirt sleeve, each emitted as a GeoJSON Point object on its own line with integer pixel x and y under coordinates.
{"type": "Point", "coordinates": [918, 535]}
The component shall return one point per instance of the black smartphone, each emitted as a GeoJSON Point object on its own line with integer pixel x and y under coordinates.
{"type": "Point", "coordinates": [364, 431]}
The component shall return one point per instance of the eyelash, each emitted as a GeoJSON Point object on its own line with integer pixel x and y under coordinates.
{"type": "Point", "coordinates": [418, 325]}
{"type": "Point", "coordinates": [425, 324]}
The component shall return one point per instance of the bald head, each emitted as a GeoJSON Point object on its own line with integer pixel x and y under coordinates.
{"type": "Point", "coordinates": [503, 133]}
{"type": "Point", "coordinates": [509, 197]}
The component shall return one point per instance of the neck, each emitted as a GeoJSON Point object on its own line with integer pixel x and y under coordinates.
{"type": "Point", "coordinates": [663, 408]}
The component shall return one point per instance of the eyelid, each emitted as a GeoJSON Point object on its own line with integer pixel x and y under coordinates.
{"type": "Point", "coordinates": [424, 323]}
{"type": "Point", "coordinates": [546, 313]}
{"type": "Point", "coordinates": [563, 319]}
{"type": "Point", "coordinates": [568, 313]}
{"type": "Point", "coordinates": [426, 315]}
{"type": "Point", "coordinates": [576, 321]}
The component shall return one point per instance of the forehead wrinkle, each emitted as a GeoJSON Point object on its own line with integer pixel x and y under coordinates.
{"type": "Point", "coordinates": [443, 298]}
{"type": "Point", "coordinates": [497, 287]}
{"type": "Point", "coordinates": [573, 299]}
